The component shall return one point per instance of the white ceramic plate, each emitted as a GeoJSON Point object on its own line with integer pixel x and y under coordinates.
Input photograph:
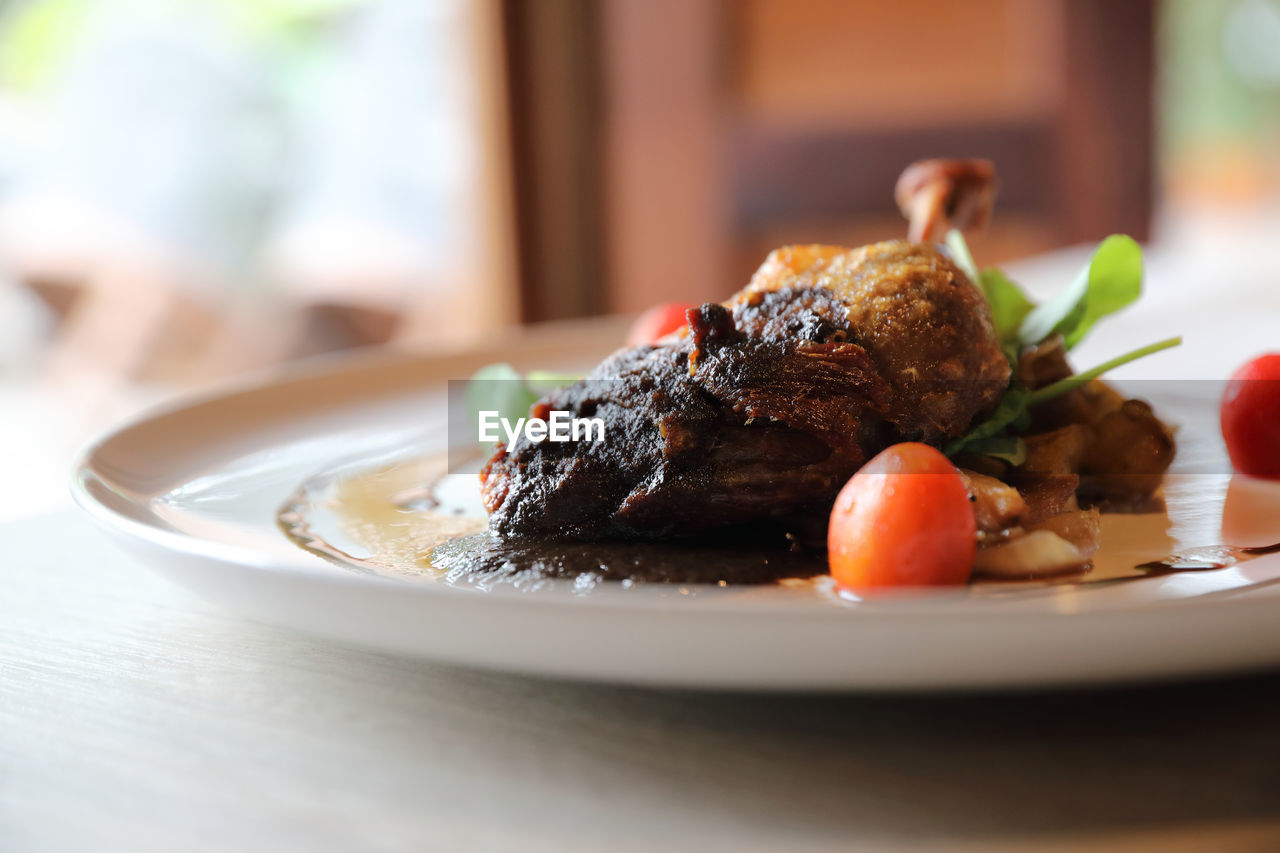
{"type": "Point", "coordinates": [194, 492]}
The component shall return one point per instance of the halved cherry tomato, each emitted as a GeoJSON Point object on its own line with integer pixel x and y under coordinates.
{"type": "Point", "coordinates": [659, 321]}
{"type": "Point", "coordinates": [904, 519]}
{"type": "Point", "coordinates": [1250, 416]}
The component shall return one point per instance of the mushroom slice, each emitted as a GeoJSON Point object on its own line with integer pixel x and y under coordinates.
{"type": "Point", "coordinates": [996, 504]}
{"type": "Point", "coordinates": [1082, 529]}
{"type": "Point", "coordinates": [1040, 553]}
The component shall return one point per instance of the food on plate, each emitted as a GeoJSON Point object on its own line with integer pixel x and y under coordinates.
{"type": "Point", "coordinates": [772, 400]}
{"type": "Point", "coordinates": [658, 322]}
{"type": "Point", "coordinates": [1251, 417]}
{"type": "Point", "coordinates": [876, 537]}
{"type": "Point", "coordinates": [749, 420]}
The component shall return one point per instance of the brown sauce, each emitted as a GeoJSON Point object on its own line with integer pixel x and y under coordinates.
{"type": "Point", "coordinates": [482, 559]}
{"type": "Point", "coordinates": [1204, 559]}
{"type": "Point", "coordinates": [386, 521]}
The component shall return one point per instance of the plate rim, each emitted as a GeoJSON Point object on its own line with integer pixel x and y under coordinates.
{"type": "Point", "coordinates": [86, 478]}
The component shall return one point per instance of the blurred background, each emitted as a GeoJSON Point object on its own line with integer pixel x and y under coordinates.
{"type": "Point", "coordinates": [191, 190]}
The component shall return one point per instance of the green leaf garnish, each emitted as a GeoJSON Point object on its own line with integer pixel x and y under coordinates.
{"type": "Point", "coordinates": [1012, 406]}
{"type": "Point", "coordinates": [961, 255]}
{"type": "Point", "coordinates": [1009, 305]}
{"type": "Point", "coordinates": [1070, 383]}
{"type": "Point", "coordinates": [500, 388]}
{"type": "Point", "coordinates": [1111, 281]}
{"type": "Point", "coordinates": [543, 382]}
{"type": "Point", "coordinates": [1009, 448]}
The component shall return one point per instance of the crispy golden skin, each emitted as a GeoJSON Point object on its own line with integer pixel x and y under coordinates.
{"type": "Point", "coordinates": [926, 326]}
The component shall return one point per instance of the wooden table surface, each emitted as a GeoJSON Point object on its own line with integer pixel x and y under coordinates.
{"type": "Point", "coordinates": [134, 716]}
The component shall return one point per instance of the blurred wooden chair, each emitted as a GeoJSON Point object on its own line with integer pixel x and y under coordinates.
{"type": "Point", "coordinates": [662, 148]}
{"type": "Point", "coordinates": [126, 310]}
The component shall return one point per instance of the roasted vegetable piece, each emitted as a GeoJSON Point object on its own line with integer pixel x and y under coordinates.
{"type": "Point", "coordinates": [1126, 460]}
{"type": "Point", "coordinates": [996, 505]}
{"type": "Point", "coordinates": [1056, 453]}
{"type": "Point", "coordinates": [1047, 363]}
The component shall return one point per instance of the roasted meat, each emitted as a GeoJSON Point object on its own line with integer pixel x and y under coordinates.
{"type": "Point", "coordinates": [937, 195]}
{"type": "Point", "coordinates": [757, 414]}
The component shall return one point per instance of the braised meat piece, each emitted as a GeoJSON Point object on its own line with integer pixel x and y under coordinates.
{"type": "Point", "coordinates": [758, 414]}
{"type": "Point", "coordinates": [923, 324]}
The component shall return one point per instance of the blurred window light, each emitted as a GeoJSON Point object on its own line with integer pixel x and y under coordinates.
{"type": "Point", "coordinates": [1251, 42]}
{"type": "Point", "coordinates": [254, 156]}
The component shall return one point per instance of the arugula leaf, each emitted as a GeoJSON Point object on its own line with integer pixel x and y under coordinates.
{"type": "Point", "coordinates": [543, 382]}
{"type": "Point", "coordinates": [961, 255]}
{"type": "Point", "coordinates": [1070, 383]}
{"type": "Point", "coordinates": [1012, 407]}
{"type": "Point", "coordinates": [499, 388]}
{"type": "Point", "coordinates": [1010, 448]}
{"type": "Point", "coordinates": [1111, 281]}
{"type": "Point", "coordinates": [1009, 305]}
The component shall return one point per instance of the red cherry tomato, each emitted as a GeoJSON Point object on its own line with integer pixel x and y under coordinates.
{"type": "Point", "coordinates": [659, 321]}
{"type": "Point", "coordinates": [903, 520]}
{"type": "Point", "coordinates": [1251, 417]}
